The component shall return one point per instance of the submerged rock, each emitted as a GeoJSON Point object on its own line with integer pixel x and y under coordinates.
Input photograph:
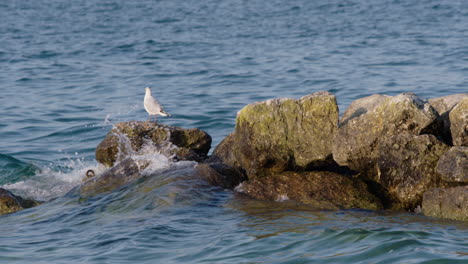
{"type": "Point", "coordinates": [219, 174]}
{"type": "Point", "coordinates": [451, 203]}
{"type": "Point", "coordinates": [10, 203]}
{"type": "Point", "coordinates": [356, 142]}
{"type": "Point", "coordinates": [320, 189]}
{"type": "Point", "coordinates": [405, 167]}
{"type": "Point", "coordinates": [443, 106]}
{"type": "Point", "coordinates": [121, 174]}
{"type": "Point", "coordinates": [282, 134]}
{"type": "Point", "coordinates": [453, 165]}
{"type": "Point", "coordinates": [128, 137]}
{"type": "Point", "coordinates": [459, 123]}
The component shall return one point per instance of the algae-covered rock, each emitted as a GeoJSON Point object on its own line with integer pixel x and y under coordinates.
{"type": "Point", "coordinates": [406, 167]}
{"type": "Point", "coordinates": [320, 189]}
{"type": "Point", "coordinates": [219, 174]}
{"type": "Point", "coordinates": [443, 105]}
{"type": "Point", "coordinates": [281, 134]}
{"type": "Point", "coordinates": [356, 141]}
{"type": "Point", "coordinates": [453, 165]}
{"type": "Point", "coordinates": [10, 203]}
{"type": "Point", "coordinates": [362, 106]}
{"type": "Point", "coordinates": [128, 137]}
{"type": "Point", "coordinates": [121, 174]}
{"type": "Point", "coordinates": [459, 123]}
{"type": "Point", "coordinates": [450, 203]}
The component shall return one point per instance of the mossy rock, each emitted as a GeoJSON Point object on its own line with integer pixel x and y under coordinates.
{"type": "Point", "coordinates": [10, 203]}
{"type": "Point", "coordinates": [282, 134]}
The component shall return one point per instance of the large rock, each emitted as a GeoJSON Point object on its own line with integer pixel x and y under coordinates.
{"type": "Point", "coordinates": [453, 165]}
{"type": "Point", "coordinates": [405, 167]}
{"type": "Point", "coordinates": [362, 106]}
{"type": "Point", "coordinates": [459, 123]}
{"type": "Point", "coordinates": [356, 142]}
{"type": "Point", "coordinates": [128, 137]}
{"type": "Point", "coordinates": [10, 203]}
{"type": "Point", "coordinates": [451, 203]}
{"type": "Point", "coordinates": [121, 174]}
{"type": "Point", "coordinates": [320, 189]}
{"type": "Point", "coordinates": [282, 134]}
{"type": "Point", "coordinates": [443, 106]}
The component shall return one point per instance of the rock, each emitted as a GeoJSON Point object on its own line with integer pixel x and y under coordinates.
{"type": "Point", "coordinates": [219, 174]}
{"type": "Point", "coordinates": [443, 106]}
{"type": "Point", "coordinates": [10, 203]}
{"type": "Point", "coordinates": [459, 123]}
{"type": "Point", "coordinates": [320, 189]}
{"type": "Point", "coordinates": [282, 134]}
{"type": "Point", "coordinates": [451, 203]}
{"type": "Point", "coordinates": [129, 137]}
{"type": "Point", "coordinates": [356, 141]}
{"type": "Point", "coordinates": [453, 165]}
{"type": "Point", "coordinates": [121, 174]}
{"type": "Point", "coordinates": [406, 165]}
{"type": "Point", "coordinates": [362, 106]}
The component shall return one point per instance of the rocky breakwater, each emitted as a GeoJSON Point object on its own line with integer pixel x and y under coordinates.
{"type": "Point", "coordinates": [125, 146]}
{"type": "Point", "coordinates": [386, 152]}
{"type": "Point", "coordinates": [283, 147]}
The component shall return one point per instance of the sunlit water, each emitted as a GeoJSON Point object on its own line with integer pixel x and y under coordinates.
{"type": "Point", "coordinates": [69, 70]}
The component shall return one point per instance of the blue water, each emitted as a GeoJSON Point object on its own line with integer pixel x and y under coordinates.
{"type": "Point", "coordinates": [69, 70]}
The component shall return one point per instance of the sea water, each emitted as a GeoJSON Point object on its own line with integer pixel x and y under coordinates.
{"type": "Point", "coordinates": [70, 70]}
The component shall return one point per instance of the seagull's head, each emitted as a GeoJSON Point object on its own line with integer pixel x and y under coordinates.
{"type": "Point", "coordinates": [148, 90]}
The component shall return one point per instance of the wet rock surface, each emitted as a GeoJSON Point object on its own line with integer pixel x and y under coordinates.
{"type": "Point", "coordinates": [121, 174]}
{"type": "Point", "coordinates": [128, 137]}
{"type": "Point", "coordinates": [219, 174]}
{"type": "Point", "coordinates": [10, 203]}
{"type": "Point", "coordinates": [320, 189]}
{"type": "Point", "coordinates": [450, 203]}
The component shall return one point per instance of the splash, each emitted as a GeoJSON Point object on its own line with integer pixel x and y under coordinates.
{"type": "Point", "coordinates": [49, 182]}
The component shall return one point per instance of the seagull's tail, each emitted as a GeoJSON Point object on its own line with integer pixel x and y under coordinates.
{"type": "Point", "coordinates": [164, 113]}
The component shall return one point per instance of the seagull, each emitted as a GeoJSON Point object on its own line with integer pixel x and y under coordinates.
{"type": "Point", "coordinates": [152, 105]}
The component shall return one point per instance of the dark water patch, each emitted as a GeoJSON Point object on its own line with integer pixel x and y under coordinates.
{"type": "Point", "coordinates": [13, 170]}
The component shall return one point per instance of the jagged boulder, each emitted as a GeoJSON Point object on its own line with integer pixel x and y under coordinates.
{"type": "Point", "coordinates": [453, 165]}
{"type": "Point", "coordinates": [443, 105]}
{"type": "Point", "coordinates": [320, 189]}
{"type": "Point", "coordinates": [356, 142]}
{"type": "Point", "coordinates": [405, 167]}
{"type": "Point", "coordinates": [282, 134]}
{"type": "Point", "coordinates": [451, 203]}
{"type": "Point", "coordinates": [219, 174]}
{"type": "Point", "coordinates": [459, 123]}
{"type": "Point", "coordinates": [128, 137]}
{"type": "Point", "coordinates": [126, 171]}
{"type": "Point", "coordinates": [10, 203]}
{"type": "Point", "coordinates": [362, 106]}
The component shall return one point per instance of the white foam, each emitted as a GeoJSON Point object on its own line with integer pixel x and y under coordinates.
{"type": "Point", "coordinates": [48, 183]}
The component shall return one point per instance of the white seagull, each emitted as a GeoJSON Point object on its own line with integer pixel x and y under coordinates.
{"type": "Point", "coordinates": [152, 105]}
